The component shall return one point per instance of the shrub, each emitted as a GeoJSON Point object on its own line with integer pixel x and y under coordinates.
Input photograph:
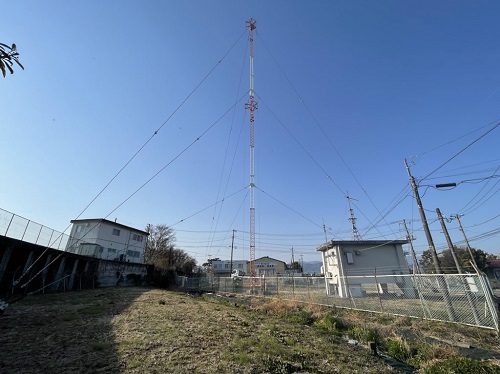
{"type": "Point", "coordinates": [399, 349]}
{"type": "Point", "coordinates": [424, 352]}
{"type": "Point", "coordinates": [363, 334]}
{"type": "Point", "coordinates": [332, 323]}
{"type": "Point", "coordinates": [303, 317]}
{"type": "Point", "coordinates": [461, 365]}
{"type": "Point", "coordinates": [278, 365]}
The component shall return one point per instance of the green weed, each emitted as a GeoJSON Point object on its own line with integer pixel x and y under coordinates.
{"type": "Point", "coordinates": [399, 349]}
{"type": "Point", "coordinates": [279, 365]}
{"type": "Point", "coordinates": [363, 334]}
{"type": "Point", "coordinates": [331, 323]}
{"type": "Point", "coordinates": [70, 317]}
{"type": "Point", "coordinates": [461, 365]}
{"type": "Point", "coordinates": [93, 309]}
{"type": "Point", "coordinates": [98, 346]}
{"type": "Point", "coordinates": [303, 317]}
{"type": "Point", "coordinates": [134, 364]}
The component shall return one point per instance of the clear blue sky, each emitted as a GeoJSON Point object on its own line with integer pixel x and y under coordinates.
{"type": "Point", "coordinates": [346, 91]}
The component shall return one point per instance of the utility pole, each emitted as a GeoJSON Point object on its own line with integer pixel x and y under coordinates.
{"type": "Point", "coordinates": [459, 268]}
{"type": "Point", "coordinates": [474, 264]}
{"type": "Point", "coordinates": [428, 235]}
{"type": "Point", "coordinates": [232, 248]}
{"type": "Point", "coordinates": [416, 269]}
{"type": "Point", "coordinates": [441, 281]}
{"type": "Point", "coordinates": [324, 231]}
{"type": "Point", "coordinates": [293, 271]}
{"type": "Point", "coordinates": [448, 240]}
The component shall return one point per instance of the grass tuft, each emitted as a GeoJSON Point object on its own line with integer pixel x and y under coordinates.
{"type": "Point", "coordinates": [98, 346]}
{"type": "Point", "coordinates": [460, 365]}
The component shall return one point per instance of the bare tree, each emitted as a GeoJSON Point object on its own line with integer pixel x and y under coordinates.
{"type": "Point", "coordinates": [161, 240]}
{"type": "Point", "coordinates": [161, 252]}
{"type": "Point", "coordinates": [8, 55]}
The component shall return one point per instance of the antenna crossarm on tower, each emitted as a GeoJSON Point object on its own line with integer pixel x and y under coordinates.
{"type": "Point", "coordinates": [355, 233]}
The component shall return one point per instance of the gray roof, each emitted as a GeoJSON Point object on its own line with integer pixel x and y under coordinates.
{"type": "Point", "coordinates": [116, 224]}
{"type": "Point", "coordinates": [361, 243]}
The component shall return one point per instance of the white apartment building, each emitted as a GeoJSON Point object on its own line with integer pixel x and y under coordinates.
{"type": "Point", "coordinates": [223, 267]}
{"type": "Point", "coordinates": [107, 240]}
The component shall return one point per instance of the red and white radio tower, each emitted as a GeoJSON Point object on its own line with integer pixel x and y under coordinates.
{"type": "Point", "coordinates": [251, 105]}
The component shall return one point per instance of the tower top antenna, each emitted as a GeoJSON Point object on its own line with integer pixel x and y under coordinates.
{"type": "Point", "coordinates": [355, 233]}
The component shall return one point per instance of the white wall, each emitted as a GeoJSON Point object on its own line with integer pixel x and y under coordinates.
{"type": "Point", "coordinates": [358, 259]}
{"type": "Point", "coordinates": [116, 242]}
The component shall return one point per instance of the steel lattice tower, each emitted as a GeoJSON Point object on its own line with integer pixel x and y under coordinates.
{"type": "Point", "coordinates": [251, 105]}
{"type": "Point", "coordinates": [355, 233]}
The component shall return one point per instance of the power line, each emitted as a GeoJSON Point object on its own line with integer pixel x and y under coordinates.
{"type": "Point", "coordinates": [207, 207]}
{"type": "Point", "coordinates": [301, 146]}
{"type": "Point", "coordinates": [286, 206]}
{"type": "Point", "coordinates": [225, 157]}
{"type": "Point", "coordinates": [461, 151]}
{"type": "Point", "coordinates": [316, 122]}
{"type": "Point", "coordinates": [454, 140]}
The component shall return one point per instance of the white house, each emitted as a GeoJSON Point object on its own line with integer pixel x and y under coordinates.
{"type": "Point", "coordinates": [107, 240]}
{"type": "Point", "coordinates": [352, 268]}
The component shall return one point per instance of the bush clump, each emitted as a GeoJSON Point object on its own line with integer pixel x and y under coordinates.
{"type": "Point", "coordinates": [332, 324]}
{"type": "Point", "coordinates": [461, 365]}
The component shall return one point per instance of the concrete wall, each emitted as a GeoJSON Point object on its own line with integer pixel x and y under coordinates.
{"type": "Point", "coordinates": [27, 267]}
{"type": "Point", "coordinates": [112, 274]}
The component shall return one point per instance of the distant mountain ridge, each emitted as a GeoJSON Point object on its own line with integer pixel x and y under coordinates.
{"type": "Point", "coordinates": [312, 267]}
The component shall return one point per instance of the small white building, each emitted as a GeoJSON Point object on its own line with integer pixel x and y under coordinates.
{"type": "Point", "coordinates": [353, 268]}
{"type": "Point", "coordinates": [107, 240]}
{"type": "Point", "coordinates": [223, 267]}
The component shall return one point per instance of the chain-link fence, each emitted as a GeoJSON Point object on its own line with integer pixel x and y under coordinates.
{"type": "Point", "coordinates": [17, 227]}
{"type": "Point", "coordinates": [459, 298]}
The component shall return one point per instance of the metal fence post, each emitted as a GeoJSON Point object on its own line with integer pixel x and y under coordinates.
{"type": "Point", "coordinates": [25, 229]}
{"type": "Point", "coordinates": [378, 291]}
{"type": "Point", "coordinates": [308, 293]}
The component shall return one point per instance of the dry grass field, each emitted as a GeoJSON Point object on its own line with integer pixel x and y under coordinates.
{"type": "Point", "coordinates": [136, 330]}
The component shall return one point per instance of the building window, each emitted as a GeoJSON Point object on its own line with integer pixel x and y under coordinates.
{"type": "Point", "coordinates": [116, 232]}
{"type": "Point", "coordinates": [131, 253]}
{"type": "Point", "coordinates": [240, 266]}
{"type": "Point", "coordinates": [111, 250]}
{"type": "Point", "coordinates": [226, 266]}
{"type": "Point", "coordinates": [137, 238]}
